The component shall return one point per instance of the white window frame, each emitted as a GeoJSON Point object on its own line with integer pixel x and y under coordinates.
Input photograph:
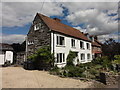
{"type": "Point", "coordinates": [88, 46]}
{"type": "Point", "coordinates": [83, 46]}
{"type": "Point", "coordinates": [88, 56]}
{"type": "Point", "coordinates": [60, 59]}
{"type": "Point", "coordinates": [58, 40]}
{"type": "Point", "coordinates": [73, 43]}
{"type": "Point", "coordinates": [37, 26]}
{"type": "Point", "coordinates": [30, 42]}
{"type": "Point", "coordinates": [82, 58]}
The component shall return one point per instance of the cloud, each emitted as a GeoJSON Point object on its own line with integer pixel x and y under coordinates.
{"type": "Point", "coordinates": [102, 38]}
{"type": "Point", "coordinates": [79, 28]}
{"type": "Point", "coordinates": [14, 38]}
{"type": "Point", "coordinates": [22, 13]}
{"type": "Point", "coordinates": [98, 18]}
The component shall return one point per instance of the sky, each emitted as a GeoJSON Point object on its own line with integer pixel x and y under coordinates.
{"type": "Point", "coordinates": [95, 18]}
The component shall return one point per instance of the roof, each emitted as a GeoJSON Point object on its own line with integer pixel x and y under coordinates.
{"type": "Point", "coordinates": [62, 28]}
{"type": "Point", "coordinates": [5, 46]}
{"type": "Point", "coordinates": [95, 43]}
{"type": "Point", "coordinates": [97, 51]}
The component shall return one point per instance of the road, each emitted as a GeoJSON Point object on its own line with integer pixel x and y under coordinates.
{"type": "Point", "coordinates": [17, 77]}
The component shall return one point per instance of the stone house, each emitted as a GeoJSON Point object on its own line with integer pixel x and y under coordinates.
{"type": "Point", "coordinates": [20, 58]}
{"type": "Point", "coordinates": [60, 37]}
{"type": "Point", "coordinates": [6, 53]}
{"type": "Point", "coordinates": [96, 46]}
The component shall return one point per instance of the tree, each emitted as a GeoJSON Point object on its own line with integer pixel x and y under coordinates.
{"type": "Point", "coordinates": [111, 48]}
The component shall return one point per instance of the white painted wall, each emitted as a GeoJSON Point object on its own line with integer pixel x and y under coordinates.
{"type": "Point", "coordinates": [65, 49]}
{"type": "Point", "coordinates": [9, 56]}
{"type": "Point", "coordinates": [2, 59]}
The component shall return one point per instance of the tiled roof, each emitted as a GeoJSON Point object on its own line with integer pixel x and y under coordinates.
{"type": "Point", "coordinates": [62, 28]}
{"type": "Point", "coordinates": [95, 43]}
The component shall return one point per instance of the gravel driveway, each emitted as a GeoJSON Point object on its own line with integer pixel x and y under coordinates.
{"type": "Point", "coordinates": [17, 77]}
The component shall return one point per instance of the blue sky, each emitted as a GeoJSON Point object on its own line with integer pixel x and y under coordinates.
{"type": "Point", "coordinates": [95, 18]}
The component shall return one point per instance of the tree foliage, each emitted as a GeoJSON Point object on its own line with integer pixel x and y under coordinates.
{"type": "Point", "coordinates": [42, 57]}
{"type": "Point", "coordinates": [19, 47]}
{"type": "Point", "coordinates": [111, 48]}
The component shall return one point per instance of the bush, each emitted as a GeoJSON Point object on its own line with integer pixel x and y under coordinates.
{"type": "Point", "coordinates": [43, 59]}
{"type": "Point", "coordinates": [116, 59]}
{"type": "Point", "coordinates": [70, 57]}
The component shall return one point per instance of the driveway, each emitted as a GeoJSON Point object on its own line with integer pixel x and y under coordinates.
{"type": "Point", "coordinates": [17, 77]}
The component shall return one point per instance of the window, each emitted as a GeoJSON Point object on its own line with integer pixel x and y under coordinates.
{"type": "Point", "coordinates": [72, 42]}
{"type": "Point", "coordinates": [60, 57]}
{"type": "Point", "coordinates": [82, 57]}
{"type": "Point", "coordinates": [88, 56]}
{"type": "Point", "coordinates": [37, 26]}
{"type": "Point", "coordinates": [30, 42]}
{"type": "Point", "coordinates": [88, 45]}
{"type": "Point", "coordinates": [60, 40]}
{"type": "Point", "coordinates": [81, 45]}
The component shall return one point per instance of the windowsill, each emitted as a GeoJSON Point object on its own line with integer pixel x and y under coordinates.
{"type": "Point", "coordinates": [73, 47]}
{"type": "Point", "coordinates": [82, 48]}
{"type": "Point", "coordinates": [88, 49]}
{"type": "Point", "coordinates": [60, 45]}
{"type": "Point", "coordinates": [82, 61]}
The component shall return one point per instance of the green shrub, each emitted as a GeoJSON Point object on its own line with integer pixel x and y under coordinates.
{"type": "Point", "coordinates": [116, 59]}
{"type": "Point", "coordinates": [70, 57]}
{"type": "Point", "coordinates": [42, 58]}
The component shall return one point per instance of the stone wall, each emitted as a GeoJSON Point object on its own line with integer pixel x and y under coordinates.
{"type": "Point", "coordinates": [40, 37]}
{"type": "Point", "coordinates": [109, 79]}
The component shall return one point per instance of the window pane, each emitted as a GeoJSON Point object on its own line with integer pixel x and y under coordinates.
{"type": "Point", "coordinates": [88, 46]}
{"type": "Point", "coordinates": [72, 42]}
{"type": "Point", "coordinates": [60, 57]}
{"type": "Point", "coordinates": [81, 44]}
{"type": "Point", "coordinates": [82, 56]}
{"type": "Point", "coordinates": [57, 40]}
{"type": "Point", "coordinates": [88, 56]}
{"type": "Point", "coordinates": [57, 58]}
{"type": "Point", "coordinates": [63, 57]}
{"type": "Point", "coordinates": [61, 40]}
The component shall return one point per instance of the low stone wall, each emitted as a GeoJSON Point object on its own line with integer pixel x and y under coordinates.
{"type": "Point", "coordinates": [109, 79]}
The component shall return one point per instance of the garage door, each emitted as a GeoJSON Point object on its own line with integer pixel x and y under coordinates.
{"type": "Point", "coordinates": [1, 59]}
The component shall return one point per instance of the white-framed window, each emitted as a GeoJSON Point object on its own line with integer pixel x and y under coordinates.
{"type": "Point", "coordinates": [60, 57]}
{"type": "Point", "coordinates": [82, 57]}
{"type": "Point", "coordinates": [30, 42]}
{"type": "Point", "coordinates": [37, 26]}
{"type": "Point", "coordinates": [60, 40]}
{"type": "Point", "coordinates": [82, 45]}
{"type": "Point", "coordinates": [88, 56]}
{"type": "Point", "coordinates": [73, 42]}
{"type": "Point", "coordinates": [88, 45]}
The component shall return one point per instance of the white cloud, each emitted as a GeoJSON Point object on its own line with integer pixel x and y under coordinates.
{"type": "Point", "coordinates": [14, 38]}
{"type": "Point", "coordinates": [21, 13]}
{"type": "Point", "coordinates": [79, 28]}
{"type": "Point", "coordinates": [102, 38]}
{"type": "Point", "coordinates": [95, 16]}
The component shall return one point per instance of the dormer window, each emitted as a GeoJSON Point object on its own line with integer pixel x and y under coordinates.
{"type": "Point", "coordinates": [37, 26]}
